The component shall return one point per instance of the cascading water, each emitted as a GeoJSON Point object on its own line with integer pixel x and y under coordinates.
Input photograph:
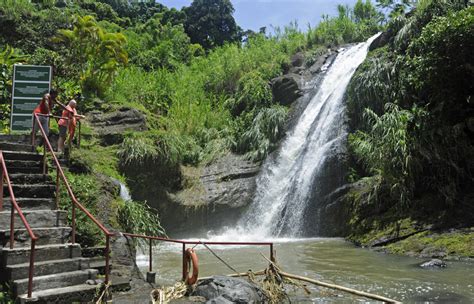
{"type": "Point", "coordinates": [285, 185]}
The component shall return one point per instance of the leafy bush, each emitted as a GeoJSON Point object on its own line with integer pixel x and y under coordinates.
{"type": "Point", "coordinates": [441, 59]}
{"type": "Point", "coordinates": [161, 147]}
{"type": "Point", "coordinates": [375, 83]}
{"type": "Point", "coordinates": [351, 25]}
{"type": "Point", "coordinates": [139, 218]}
{"type": "Point", "coordinates": [388, 149]}
{"type": "Point", "coordinates": [87, 193]}
{"type": "Point", "coordinates": [266, 130]}
{"type": "Point", "coordinates": [97, 53]}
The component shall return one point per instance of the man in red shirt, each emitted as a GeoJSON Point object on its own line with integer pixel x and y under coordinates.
{"type": "Point", "coordinates": [45, 107]}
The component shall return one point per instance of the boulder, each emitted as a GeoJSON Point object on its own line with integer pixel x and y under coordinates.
{"type": "Point", "coordinates": [297, 59]}
{"type": "Point", "coordinates": [111, 126]}
{"type": "Point", "coordinates": [286, 88]}
{"type": "Point", "coordinates": [380, 41]}
{"type": "Point", "coordinates": [434, 263]}
{"type": "Point", "coordinates": [224, 290]}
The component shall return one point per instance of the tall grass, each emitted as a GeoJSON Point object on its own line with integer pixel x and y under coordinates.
{"type": "Point", "coordinates": [265, 131]}
{"type": "Point", "coordinates": [223, 101]}
{"type": "Point", "coordinates": [387, 149]}
{"type": "Point", "coordinates": [139, 218]}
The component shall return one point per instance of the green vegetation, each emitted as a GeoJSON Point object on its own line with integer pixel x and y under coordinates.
{"type": "Point", "coordinates": [201, 81]}
{"type": "Point", "coordinates": [139, 218]}
{"type": "Point", "coordinates": [449, 244]}
{"type": "Point", "coordinates": [94, 53]}
{"type": "Point", "coordinates": [6, 296]}
{"type": "Point", "coordinates": [87, 192]}
{"type": "Point", "coordinates": [410, 108]}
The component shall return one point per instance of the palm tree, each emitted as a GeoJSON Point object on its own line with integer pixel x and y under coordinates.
{"type": "Point", "coordinates": [97, 54]}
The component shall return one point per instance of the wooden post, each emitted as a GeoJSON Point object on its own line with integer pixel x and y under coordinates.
{"type": "Point", "coordinates": [184, 262]}
{"type": "Point", "coordinates": [150, 261]}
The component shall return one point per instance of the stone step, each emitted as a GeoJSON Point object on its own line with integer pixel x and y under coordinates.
{"type": "Point", "coordinates": [57, 280]}
{"type": "Point", "coordinates": [31, 203]}
{"type": "Point", "coordinates": [26, 170]}
{"type": "Point", "coordinates": [35, 218]}
{"type": "Point", "coordinates": [20, 255]}
{"type": "Point", "coordinates": [21, 271]}
{"type": "Point", "coordinates": [10, 146]}
{"type": "Point", "coordinates": [21, 155]}
{"type": "Point", "coordinates": [82, 293]}
{"type": "Point", "coordinates": [31, 191]}
{"type": "Point", "coordinates": [16, 138]}
{"type": "Point", "coordinates": [45, 235]}
{"type": "Point", "coordinates": [24, 178]}
{"type": "Point", "coordinates": [15, 163]}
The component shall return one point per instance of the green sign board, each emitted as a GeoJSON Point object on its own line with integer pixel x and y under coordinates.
{"type": "Point", "coordinates": [30, 83]}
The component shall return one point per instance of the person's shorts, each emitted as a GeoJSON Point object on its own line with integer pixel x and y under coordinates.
{"type": "Point", "coordinates": [62, 131]}
{"type": "Point", "coordinates": [44, 120]}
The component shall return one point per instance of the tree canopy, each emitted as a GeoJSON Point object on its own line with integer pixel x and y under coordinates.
{"type": "Point", "coordinates": [210, 23]}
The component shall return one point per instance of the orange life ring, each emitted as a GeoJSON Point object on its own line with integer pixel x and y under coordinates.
{"type": "Point", "coordinates": [191, 257]}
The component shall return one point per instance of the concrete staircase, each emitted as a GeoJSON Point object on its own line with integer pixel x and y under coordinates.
{"type": "Point", "coordinates": [60, 272]}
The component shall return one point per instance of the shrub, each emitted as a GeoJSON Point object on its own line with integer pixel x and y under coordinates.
{"type": "Point", "coordinates": [388, 148]}
{"type": "Point", "coordinates": [267, 128]}
{"type": "Point", "coordinates": [87, 193]}
{"type": "Point", "coordinates": [139, 218]}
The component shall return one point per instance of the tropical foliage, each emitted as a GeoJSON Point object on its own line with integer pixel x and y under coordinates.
{"type": "Point", "coordinates": [96, 54]}
{"type": "Point", "coordinates": [203, 89]}
{"type": "Point", "coordinates": [413, 145]}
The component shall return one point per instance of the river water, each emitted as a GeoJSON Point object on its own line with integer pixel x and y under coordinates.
{"type": "Point", "coordinates": [335, 261]}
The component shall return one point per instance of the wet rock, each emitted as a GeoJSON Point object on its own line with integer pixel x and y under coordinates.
{"type": "Point", "coordinates": [321, 61]}
{"type": "Point", "coordinates": [380, 41]}
{"type": "Point", "coordinates": [434, 263]}
{"type": "Point", "coordinates": [297, 59]}
{"type": "Point", "coordinates": [111, 126]}
{"type": "Point", "coordinates": [230, 181]}
{"type": "Point", "coordinates": [286, 88]}
{"type": "Point", "coordinates": [433, 252]}
{"type": "Point", "coordinates": [223, 290]}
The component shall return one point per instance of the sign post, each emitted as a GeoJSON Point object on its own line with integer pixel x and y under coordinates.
{"type": "Point", "coordinates": [30, 83]}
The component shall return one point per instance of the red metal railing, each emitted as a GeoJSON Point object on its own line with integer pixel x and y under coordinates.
{"type": "Point", "coordinates": [33, 134]}
{"type": "Point", "coordinates": [14, 206]}
{"type": "Point", "coordinates": [60, 176]}
{"type": "Point", "coordinates": [184, 243]}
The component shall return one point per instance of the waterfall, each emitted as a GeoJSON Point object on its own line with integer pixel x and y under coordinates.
{"type": "Point", "coordinates": [124, 192]}
{"type": "Point", "coordinates": [287, 180]}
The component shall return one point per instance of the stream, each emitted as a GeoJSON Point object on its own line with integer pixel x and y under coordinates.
{"type": "Point", "coordinates": [332, 260]}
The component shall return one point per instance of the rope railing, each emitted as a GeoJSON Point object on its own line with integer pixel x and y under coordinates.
{"type": "Point", "coordinates": [15, 206]}
{"type": "Point", "coordinates": [75, 203]}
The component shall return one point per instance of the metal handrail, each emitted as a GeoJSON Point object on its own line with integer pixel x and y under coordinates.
{"type": "Point", "coordinates": [184, 243]}
{"type": "Point", "coordinates": [33, 133]}
{"type": "Point", "coordinates": [60, 173]}
{"type": "Point", "coordinates": [12, 222]}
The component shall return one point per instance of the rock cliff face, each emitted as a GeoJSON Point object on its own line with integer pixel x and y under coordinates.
{"type": "Point", "coordinates": [111, 126]}
{"type": "Point", "coordinates": [218, 195]}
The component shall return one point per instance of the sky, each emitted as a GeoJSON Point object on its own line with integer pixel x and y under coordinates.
{"type": "Point", "coordinates": [254, 14]}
